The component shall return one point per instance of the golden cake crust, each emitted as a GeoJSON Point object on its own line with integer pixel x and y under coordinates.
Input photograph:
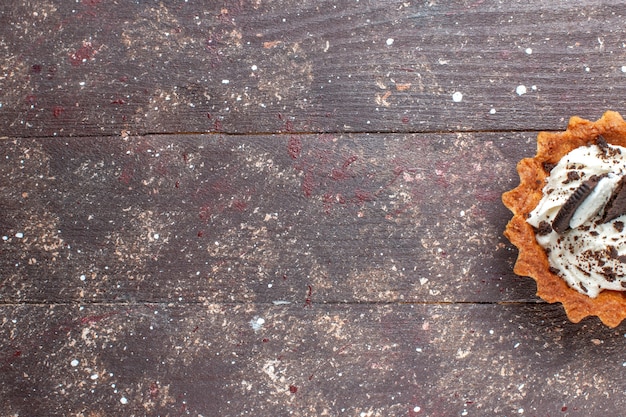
{"type": "Point", "coordinates": [532, 261]}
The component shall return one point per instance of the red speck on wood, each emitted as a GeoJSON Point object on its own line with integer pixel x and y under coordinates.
{"type": "Point", "coordinates": [217, 126]}
{"type": "Point", "coordinates": [82, 54]}
{"type": "Point", "coordinates": [17, 353]}
{"type": "Point", "coordinates": [564, 408]}
{"type": "Point", "coordinates": [126, 176]}
{"type": "Point", "coordinates": [294, 147]}
{"type": "Point", "coordinates": [51, 71]}
{"type": "Point", "coordinates": [338, 174]}
{"type": "Point", "coordinates": [57, 111]}
{"type": "Point", "coordinates": [240, 205]}
{"type": "Point", "coordinates": [349, 161]}
{"type": "Point", "coordinates": [154, 390]}
{"type": "Point", "coordinates": [221, 186]}
{"type": "Point", "coordinates": [200, 233]}
{"type": "Point", "coordinates": [31, 99]}
{"type": "Point", "coordinates": [363, 196]}
{"type": "Point", "coordinates": [96, 318]}
{"type": "Point", "coordinates": [119, 101]}
{"type": "Point", "coordinates": [487, 196]}
{"type": "Point", "coordinates": [265, 340]}
{"type": "Point", "coordinates": [308, 184]}
{"type": "Point", "coordinates": [293, 389]}
{"type": "Point", "coordinates": [36, 68]}
{"type": "Point", "coordinates": [205, 213]}
{"type": "Point", "coordinates": [308, 301]}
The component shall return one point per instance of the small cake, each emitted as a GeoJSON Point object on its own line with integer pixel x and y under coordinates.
{"type": "Point", "coordinates": [569, 217]}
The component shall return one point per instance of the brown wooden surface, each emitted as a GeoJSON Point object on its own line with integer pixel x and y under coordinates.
{"type": "Point", "coordinates": [277, 208]}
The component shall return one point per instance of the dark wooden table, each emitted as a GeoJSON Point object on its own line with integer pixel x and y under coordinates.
{"type": "Point", "coordinates": [290, 208]}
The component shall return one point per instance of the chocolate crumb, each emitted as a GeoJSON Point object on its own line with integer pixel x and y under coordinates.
{"type": "Point", "coordinates": [572, 176]}
{"type": "Point", "coordinates": [608, 274]}
{"type": "Point", "coordinates": [544, 228]}
{"type": "Point", "coordinates": [602, 143]}
{"type": "Point", "coordinates": [606, 150]}
{"type": "Point", "coordinates": [619, 226]}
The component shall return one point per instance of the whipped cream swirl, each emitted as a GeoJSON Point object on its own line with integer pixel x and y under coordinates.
{"type": "Point", "coordinates": [589, 253]}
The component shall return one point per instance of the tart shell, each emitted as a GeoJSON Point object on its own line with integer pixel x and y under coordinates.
{"type": "Point", "coordinates": [532, 261]}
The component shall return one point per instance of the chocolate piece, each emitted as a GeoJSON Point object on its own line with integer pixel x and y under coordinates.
{"type": "Point", "coordinates": [565, 214]}
{"type": "Point", "coordinates": [616, 206]}
{"type": "Point", "coordinates": [572, 176]}
{"type": "Point", "coordinates": [544, 229]}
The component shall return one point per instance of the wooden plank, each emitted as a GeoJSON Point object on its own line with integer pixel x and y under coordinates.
{"type": "Point", "coordinates": [308, 66]}
{"type": "Point", "coordinates": [373, 360]}
{"type": "Point", "coordinates": [303, 219]}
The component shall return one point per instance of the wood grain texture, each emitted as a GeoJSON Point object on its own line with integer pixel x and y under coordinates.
{"type": "Point", "coordinates": [90, 68]}
{"type": "Point", "coordinates": [323, 218]}
{"type": "Point", "coordinates": [242, 359]}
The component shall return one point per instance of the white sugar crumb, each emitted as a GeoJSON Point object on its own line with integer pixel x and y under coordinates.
{"type": "Point", "coordinates": [492, 111]}
{"type": "Point", "coordinates": [389, 41]}
{"type": "Point", "coordinates": [623, 68]}
{"type": "Point", "coordinates": [521, 90]}
{"type": "Point", "coordinates": [124, 400]}
{"type": "Point", "coordinates": [74, 362]}
{"type": "Point", "coordinates": [257, 323]}
{"type": "Point", "coordinates": [19, 235]}
{"type": "Point", "coordinates": [529, 51]}
{"type": "Point", "coordinates": [417, 409]}
{"type": "Point", "coordinates": [457, 97]}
